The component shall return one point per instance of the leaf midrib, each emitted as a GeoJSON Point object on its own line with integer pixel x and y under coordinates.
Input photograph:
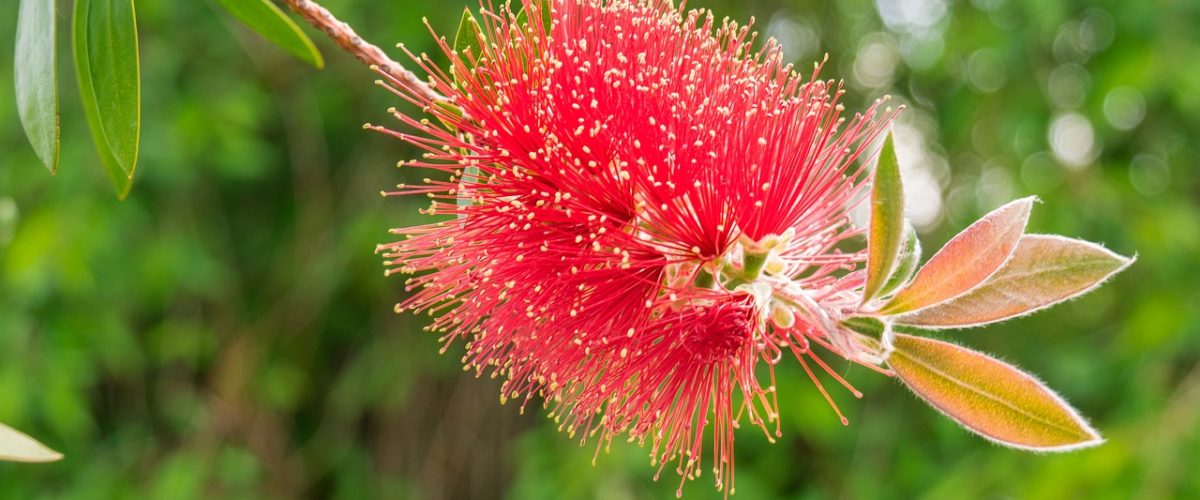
{"type": "Point", "coordinates": [985, 394]}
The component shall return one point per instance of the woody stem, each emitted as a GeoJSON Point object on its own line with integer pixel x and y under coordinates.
{"type": "Point", "coordinates": [341, 33]}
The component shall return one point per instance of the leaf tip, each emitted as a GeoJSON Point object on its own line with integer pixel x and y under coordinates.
{"type": "Point", "coordinates": [1094, 439]}
{"type": "Point", "coordinates": [318, 61]}
{"type": "Point", "coordinates": [16, 446]}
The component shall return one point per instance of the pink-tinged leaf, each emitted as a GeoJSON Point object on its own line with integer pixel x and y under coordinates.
{"type": "Point", "coordinates": [966, 260]}
{"type": "Point", "coordinates": [15, 446]}
{"type": "Point", "coordinates": [887, 221]}
{"type": "Point", "coordinates": [1043, 271]}
{"type": "Point", "coordinates": [988, 396]}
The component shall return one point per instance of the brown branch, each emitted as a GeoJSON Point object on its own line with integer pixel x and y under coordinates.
{"type": "Point", "coordinates": [349, 41]}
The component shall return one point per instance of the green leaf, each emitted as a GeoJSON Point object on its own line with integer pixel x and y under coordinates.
{"type": "Point", "coordinates": [466, 40]}
{"type": "Point", "coordinates": [87, 97]}
{"type": "Point", "coordinates": [17, 447]}
{"type": "Point", "coordinates": [887, 221]}
{"type": "Point", "coordinates": [1043, 271]}
{"type": "Point", "coordinates": [966, 260]}
{"type": "Point", "coordinates": [547, 15]}
{"type": "Point", "coordinates": [270, 22]}
{"type": "Point", "coordinates": [104, 36]}
{"type": "Point", "coordinates": [988, 396]}
{"type": "Point", "coordinates": [465, 195]}
{"type": "Point", "coordinates": [35, 78]}
{"type": "Point", "coordinates": [906, 264]}
{"type": "Point", "coordinates": [871, 327]}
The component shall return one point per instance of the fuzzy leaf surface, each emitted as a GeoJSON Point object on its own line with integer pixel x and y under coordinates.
{"type": "Point", "coordinates": [887, 221]}
{"type": "Point", "coordinates": [907, 263]}
{"type": "Point", "coordinates": [967, 259]}
{"type": "Point", "coordinates": [989, 397]}
{"type": "Point", "coordinates": [1043, 271]}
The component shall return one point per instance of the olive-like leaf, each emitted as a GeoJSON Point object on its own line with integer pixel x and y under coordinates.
{"type": "Point", "coordinates": [35, 78]}
{"type": "Point", "coordinates": [907, 263]}
{"type": "Point", "coordinates": [270, 22]}
{"type": "Point", "coordinates": [1043, 271]}
{"type": "Point", "coordinates": [113, 57]}
{"type": "Point", "coordinates": [966, 260]}
{"type": "Point", "coordinates": [989, 397]}
{"type": "Point", "coordinates": [886, 234]}
{"type": "Point", "coordinates": [468, 35]}
{"type": "Point", "coordinates": [15, 446]}
{"type": "Point", "coordinates": [104, 38]}
{"type": "Point", "coordinates": [547, 18]}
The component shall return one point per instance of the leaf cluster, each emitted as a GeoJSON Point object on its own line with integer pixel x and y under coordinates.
{"type": "Point", "coordinates": [105, 53]}
{"type": "Point", "coordinates": [990, 272]}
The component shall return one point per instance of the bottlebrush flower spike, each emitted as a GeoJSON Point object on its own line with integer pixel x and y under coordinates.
{"type": "Point", "coordinates": [641, 213]}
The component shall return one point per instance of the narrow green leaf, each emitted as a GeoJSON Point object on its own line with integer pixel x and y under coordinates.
{"type": "Point", "coordinates": [466, 40]}
{"type": "Point", "coordinates": [1043, 271]}
{"type": "Point", "coordinates": [35, 78]}
{"type": "Point", "coordinates": [15, 446]}
{"type": "Point", "coordinates": [449, 115]}
{"type": "Point", "coordinates": [906, 264]}
{"type": "Point", "coordinates": [522, 18]}
{"type": "Point", "coordinates": [966, 260]}
{"type": "Point", "coordinates": [988, 396]}
{"type": "Point", "coordinates": [104, 38]}
{"type": "Point", "coordinates": [887, 221]}
{"type": "Point", "coordinates": [87, 97]}
{"type": "Point", "coordinates": [545, 7]}
{"type": "Point", "coordinates": [113, 55]}
{"type": "Point", "coordinates": [871, 327]}
{"type": "Point", "coordinates": [270, 22]}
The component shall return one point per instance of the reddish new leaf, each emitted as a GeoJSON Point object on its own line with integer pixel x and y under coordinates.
{"type": "Point", "coordinates": [988, 396]}
{"type": "Point", "coordinates": [966, 260]}
{"type": "Point", "coordinates": [1043, 271]}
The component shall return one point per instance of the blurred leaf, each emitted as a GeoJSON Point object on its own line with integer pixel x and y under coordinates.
{"type": "Point", "coordinates": [907, 263]}
{"type": "Point", "coordinates": [1044, 270]}
{"type": "Point", "coordinates": [106, 64]}
{"type": "Point", "coordinates": [887, 221]}
{"type": "Point", "coordinates": [270, 22]}
{"type": "Point", "coordinates": [988, 396]}
{"type": "Point", "coordinates": [966, 260]}
{"type": "Point", "coordinates": [17, 447]}
{"type": "Point", "coordinates": [35, 75]}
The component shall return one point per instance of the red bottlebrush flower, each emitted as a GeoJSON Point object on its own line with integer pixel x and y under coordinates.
{"type": "Point", "coordinates": [644, 210]}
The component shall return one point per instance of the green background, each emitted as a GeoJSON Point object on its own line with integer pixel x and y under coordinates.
{"type": "Point", "coordinates": [228, 330]}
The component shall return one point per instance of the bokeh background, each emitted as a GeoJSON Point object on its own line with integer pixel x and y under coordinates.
{"type": "Point", "coordinates": [227, 331]}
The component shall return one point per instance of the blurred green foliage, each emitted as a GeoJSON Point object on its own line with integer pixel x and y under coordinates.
{"type": "Point", "coordinates": [227, 330]}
